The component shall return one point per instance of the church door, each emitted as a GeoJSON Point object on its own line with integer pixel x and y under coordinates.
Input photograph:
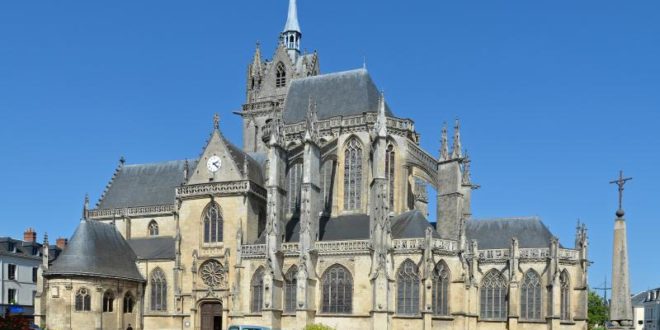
{"type": "Point", "coordinates": [211, 316]}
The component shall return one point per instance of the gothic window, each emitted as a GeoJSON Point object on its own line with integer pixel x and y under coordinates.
{"type": "Point", "coordinates": [493, 296]}
{"type": "Point", "coordinates": [83, 300]}
{"type": "Point", "coordinates": [294, 183]}
{"type": "Point", "coordinates": [290, 290]}
{"type": "Point", "coordinates": [407, 282]}
{"type": "Point", "coordinates": [353, 175]}
{"type": "Point", "coordinates": [440, 294]}
{"type": "Point", "coordinates": [213, 223]}
{"type": "Point", "coordinates": [389, 173]}
{"type": "Point", "coordinates": [212, 273]}
{"type": "Point", "coordinates": [153, 228]}
{"type": "Point", "coordinates": [257, 287]}
{"type": "Point", "coordinates": [565, 296]}
{"type": "Point", "coordinates": [158, 291]}
{"type": "Point", "coordinates": [327, 183]}
{"type": "Point", "coordinates": [280, 78]}
{"type": "Point", "coordinates": [530, 296]}
{"type": "Point", "coordinates": [129, 302]}
{"type": "Point", "coordinates": [337, 296]}
{"type": "Point", "coordinates": [108, 301]}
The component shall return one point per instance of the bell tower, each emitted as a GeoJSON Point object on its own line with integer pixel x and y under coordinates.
{"type": "Point", "coordinates": [291, 34]}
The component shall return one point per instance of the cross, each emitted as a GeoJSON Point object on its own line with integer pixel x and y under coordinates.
{"type": "Point", "coordinates": [621, 181]}
{"type": "Point", "coordinates": [216, 121]}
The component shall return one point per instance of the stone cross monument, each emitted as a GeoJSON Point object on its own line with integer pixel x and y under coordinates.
{"type": "Point", "coordinates": [621, 305]}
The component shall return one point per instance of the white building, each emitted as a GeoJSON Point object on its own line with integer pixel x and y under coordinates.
{"type": "Point", "coordinates": [19, 273]}
{"type": "Point", "coordinates": [652, 310]}
{"type": "Point", "coordinates": [638, 309]}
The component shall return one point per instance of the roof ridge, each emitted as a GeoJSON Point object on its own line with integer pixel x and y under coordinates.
{"type": "Point", "coordinates": [521, 218]}
{"type": "Point", "coordinates": [336, 73]}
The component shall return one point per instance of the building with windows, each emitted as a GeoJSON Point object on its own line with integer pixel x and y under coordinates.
{"type": "Point", "coordinates": [20, 272]}
{"type": "Point", "coordinates": [320, 217]}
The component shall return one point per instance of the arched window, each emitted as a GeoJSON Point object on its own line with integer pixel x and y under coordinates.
{"type": "Point", "coordinates": [108, 301]}
{"type": "Point", "coordinates": [530, 296]}
{"type": "Point", "coordinates": [83, 300]}
{"type": "Point", "coordinates": [280, 78]}
{"type": "Point", "coordinates": [440, 294]}
{"type": "Point", "coordinates": [257, 287]}
{"type": "Point", "coordinates": [337, 296]}
{"type": "Point", "coordinates": [290, 289]}
{"type": "Point", "coordinates": [213, 223]}
{"type": "Point", "coordinates": [129, 302]}
{"type": "Point", "coordinates": [389, 173]}
{"type": "Point", "coordinates": [327, 183]}
{"type": "Point", "coordinates": [353, 175]}
{"type": "Point", "coordinates": [153, 228]}
{"type": "Point", "coordinates": [565, 283]}
{"type": "Point", "coordinates": [493, 296]}
{"type": "Point", "coordinates": [407, 282]}
{"type": "Point", "coordinates": [293, 185]}
{"type": "Point", "coordinates": [158, 291]}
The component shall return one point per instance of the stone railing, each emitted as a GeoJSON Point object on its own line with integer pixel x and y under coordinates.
{"type": "Point", "coordinates": [569, 255]}
{"type": "Point", "coordinates": [253, 250]}
{"type": "Point", "coordinates": [535, 253]}
{"type": "Point", "coordinates": [131, 212]}
{"type": "Point", "coordinates": [493, 255]}
{"type": "Point", "coordinates": [291, 248]}
{"type": "Point", "coordinates": [343, 247]}
{"type": "Point", "coordinates": [221, 188]}
{"type": "Point", "coordinates": [416, 244]}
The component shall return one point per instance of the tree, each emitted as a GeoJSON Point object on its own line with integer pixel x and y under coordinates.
{"type": "Point", "coordinates": [598, 311]}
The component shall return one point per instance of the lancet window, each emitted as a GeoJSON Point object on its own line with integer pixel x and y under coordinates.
{"type": "Point", "coordinates": [353, 175]}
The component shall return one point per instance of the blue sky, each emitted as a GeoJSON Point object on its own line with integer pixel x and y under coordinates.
{"type": "Point", "coordinates": [554, 97]}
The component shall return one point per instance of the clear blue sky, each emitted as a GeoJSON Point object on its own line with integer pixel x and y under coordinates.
{"type": "Point", "coordinates": [554, 96]}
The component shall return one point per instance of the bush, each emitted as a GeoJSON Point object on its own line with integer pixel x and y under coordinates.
{"type": "Point", "coordinates": [14, 322]}
{"type": "Point", "coordinates": [318, 327]}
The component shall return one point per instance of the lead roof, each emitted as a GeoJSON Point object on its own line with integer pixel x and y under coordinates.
{"type": "Point", "coordinates": [336, 94]}
{"type": "Point", "coordinates": [498, 233]}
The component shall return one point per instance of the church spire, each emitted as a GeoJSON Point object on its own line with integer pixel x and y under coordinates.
{"type": "Point", "coordinates": [291, 34]}
{"type": "Point", "coordinates": [444, 144]}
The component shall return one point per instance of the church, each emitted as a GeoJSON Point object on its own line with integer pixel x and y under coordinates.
{"type": "Point", "coordinates": [320, 217]}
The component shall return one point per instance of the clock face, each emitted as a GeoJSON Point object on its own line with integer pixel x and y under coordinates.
{"type": "Point", "coordinates": [214, 163]}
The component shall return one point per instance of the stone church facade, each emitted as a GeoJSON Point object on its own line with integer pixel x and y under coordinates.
{"type": "Point", "coordinates": [321, 217]}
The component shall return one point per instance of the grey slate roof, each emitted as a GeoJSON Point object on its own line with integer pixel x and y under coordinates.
{"type": "Point", "coordinates": [410, 224]}
{"type": "Point", "coordinates": [336, 94]}
{"type": "Point", "coordinates": [97, 250]}
{"type": "Point", "coordinates": [239, 156]}
{"type": "Point", "coordinates": [497, 233]}
{"type": "Point", "coordinates": [638, 299]}
{"type": "Point", "coordinates": [144, 185]}
{"type": "Point", "coordinates": [19, 248]}
{"type": "Point", "coordinates": [153, 248]}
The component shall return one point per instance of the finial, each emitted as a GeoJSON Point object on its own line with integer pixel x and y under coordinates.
{"type": "Point", "coordinates": [186, 170]}
{"type": "Point", "coordinates": [444, 145]}
{"type": "Point", "coordinates": [122, 161]}
{"type": "Point", "coordinates": [311, 120]}
{"type": "Point", "coordinates": [85, 207]}
{"type": "Point", "coordinates": [245, 167]}
{"type": "Point", "coordinates": [46, 238]}
{"type": "Point", "coordinates": [216, 121]}
{"type": "Point", "coordinates": [456, 149]}
{"type": "Point", "coordinates": [621, 181]}
{"type": "Point", "coordinates": [364, 62]}
{"type": "Point", "coordinates": [466, 169]}
{"type": "Point", "coordinates": [380, 127]}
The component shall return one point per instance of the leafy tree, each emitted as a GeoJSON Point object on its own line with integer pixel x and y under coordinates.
{"type": "Point", "coordinates": [318, 327]}
{"type": "Point", "coordinates": [598, 311]}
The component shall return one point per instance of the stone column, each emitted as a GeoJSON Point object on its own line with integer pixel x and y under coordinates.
{"type": "Point", "coordinates": [621, 306]}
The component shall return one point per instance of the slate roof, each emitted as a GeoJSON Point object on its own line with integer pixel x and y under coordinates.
{"type": "Point", "coordinates": [336, 94]}
{"type": "Point", "coordinates": [153, 248]}
{"type": "Point", "coordinates": [497, 233]}
{"type": "Point", "coordinates": [638, 299]}
{"type": "Point", "coordinates": [239, 156]}
{"type": "Point", "coordinates": [97, 250]}
{"type": "Point", "coordinates": [144, 185]}
{"type": "Point", "coordinates": [19, 248]}
{"type": "Point", "coordinates": [410, 224]}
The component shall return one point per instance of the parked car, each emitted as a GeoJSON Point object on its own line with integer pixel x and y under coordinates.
{"type": "Point", "coordinates": [247, 327]}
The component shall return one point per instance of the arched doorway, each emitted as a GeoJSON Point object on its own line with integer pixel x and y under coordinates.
{"type": "Point", "coordinates": [211, 316]}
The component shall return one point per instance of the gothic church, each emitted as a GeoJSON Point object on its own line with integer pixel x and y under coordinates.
{"type": "Point", "coordinates": [321, 217]}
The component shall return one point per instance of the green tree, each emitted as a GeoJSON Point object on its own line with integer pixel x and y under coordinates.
{"type": "Point", "coordinates": [598, 311]}
{"type": "Point", "coordinates": [318, 327]}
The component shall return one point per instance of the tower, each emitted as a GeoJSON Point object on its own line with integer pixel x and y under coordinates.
{"type": "Point", "coordinates": [621, 305]}
{"type": "Point", "coordinates": [291, 34]}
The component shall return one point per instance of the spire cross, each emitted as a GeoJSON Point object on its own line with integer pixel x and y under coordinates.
{"type": "Point", "coordinates": [621, 181]}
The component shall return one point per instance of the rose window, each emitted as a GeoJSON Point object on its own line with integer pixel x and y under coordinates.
{"type": "Point", "coordinates": [213, 274]}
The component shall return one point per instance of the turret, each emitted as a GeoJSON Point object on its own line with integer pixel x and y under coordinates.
{"type": "Point", "coordinates": [291, 34]}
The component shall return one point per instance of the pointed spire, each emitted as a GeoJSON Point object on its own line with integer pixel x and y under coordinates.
{"type": "Point", "coordinates": [467, 180]}
{"type": "Point", "coordinates": [311, 131]}
{"type": "Point", "coordinates": [292, 18]}
{"type": "Point", "coordinates": [255, 68]}
{"type": "Point", "coordinates": [456, 149]}
{"type": "Point", "coordinates": [380, 127]}
{"type": "Point", "coordinates": [444, 144]}
{"type": "Point", "coordinates": [85, 207]}
{"type": "Point", "coordinates": [276, 130]}
{"type": "Point", "coordinates": [186, 170]}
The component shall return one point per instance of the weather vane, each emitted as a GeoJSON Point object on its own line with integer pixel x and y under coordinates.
{"type": "Point", "coordinates": [621, 181]}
